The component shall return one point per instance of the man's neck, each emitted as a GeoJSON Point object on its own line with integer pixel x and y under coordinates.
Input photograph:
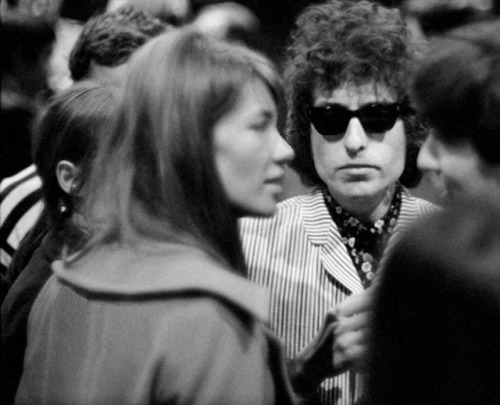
{"type": "Point", "coordinates": [368, 209]}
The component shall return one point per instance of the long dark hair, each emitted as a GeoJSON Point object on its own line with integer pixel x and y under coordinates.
{"type": "Point", "coordinates": [155, 177]}
{"type": "Point", "coordinates": [68, 129]}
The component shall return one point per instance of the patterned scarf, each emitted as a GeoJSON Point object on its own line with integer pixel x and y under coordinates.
{"type": "Point", "coordinates": [365, 242]}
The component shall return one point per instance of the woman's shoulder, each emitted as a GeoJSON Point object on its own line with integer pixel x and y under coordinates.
{"type": "Point", "coordinates": [166, 272]}
{"type": "Point", "coordinates": [207, 337]}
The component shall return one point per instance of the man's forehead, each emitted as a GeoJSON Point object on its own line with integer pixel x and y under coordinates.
{"type": "Point", "coordinates": [368, 89]}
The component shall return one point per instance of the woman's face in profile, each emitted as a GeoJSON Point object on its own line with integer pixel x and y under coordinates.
{"type": "Point", "coordinates": [250, 154]}
{"type": "Point", "coordinates": [458, 170]}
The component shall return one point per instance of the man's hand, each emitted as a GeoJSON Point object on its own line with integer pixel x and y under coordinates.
{"type": "Point", "coordinates": [314, 363]}
{"type": "Point", "coordinates": [350, 341]}
{"type": "Point", "coordinates": [339, 345]}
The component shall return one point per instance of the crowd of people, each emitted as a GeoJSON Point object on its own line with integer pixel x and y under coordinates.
{"type": "Point", "coordinates": [148, 255]}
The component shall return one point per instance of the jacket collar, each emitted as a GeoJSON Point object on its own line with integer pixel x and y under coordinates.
{"type": "Point", "coordinates": [168, 271]}
{"type": "Point", "coordinates": [321, 230]}
{"type": "Point", "coordinates": [317, 220]}
{"type": "Point", "coordinates": [319, 225]}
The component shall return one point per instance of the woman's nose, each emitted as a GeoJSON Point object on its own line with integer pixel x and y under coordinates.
{"type": "Point", "coordinates": [284, 152]}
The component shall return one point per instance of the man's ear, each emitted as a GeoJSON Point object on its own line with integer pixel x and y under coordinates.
{"type": "Point", "coordinates": [67, 176]}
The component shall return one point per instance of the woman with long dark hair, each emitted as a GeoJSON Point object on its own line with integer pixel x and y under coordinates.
{"type": "Point", "coordinates": [66, 141]}
{"type": "Point", "coordinates": [156, 308]}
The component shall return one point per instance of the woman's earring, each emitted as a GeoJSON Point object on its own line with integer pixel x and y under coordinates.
{"type": "Point", "coordinates": [61, 206]}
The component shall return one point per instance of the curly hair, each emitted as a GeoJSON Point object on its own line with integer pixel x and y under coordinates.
{"type": "Point", "coordinates": [341, 42]}
{"type": "Point", "coordinates": [109, 39]}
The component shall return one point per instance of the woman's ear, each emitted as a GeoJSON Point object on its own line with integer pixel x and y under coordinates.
{"type": "Point", "coordinates": [67, 176]}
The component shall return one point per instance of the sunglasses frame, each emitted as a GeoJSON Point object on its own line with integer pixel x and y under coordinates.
{"type": "Point", "coordinates": [397, 111]}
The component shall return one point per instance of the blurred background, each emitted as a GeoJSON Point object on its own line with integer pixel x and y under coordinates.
{"type": "Point", "coordinates": [262, 24]}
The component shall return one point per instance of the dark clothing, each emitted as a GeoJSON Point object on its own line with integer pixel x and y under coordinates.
{"type": "Point", "coordinates": [27, 281]}
{"type": "Point", "coordinates": [15, 311]}
{"type": "Point", "coordinates": [15, 130]}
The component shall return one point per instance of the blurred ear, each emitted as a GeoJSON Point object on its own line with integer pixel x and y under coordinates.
{"type": "Point", "coordinates": [67, 176]}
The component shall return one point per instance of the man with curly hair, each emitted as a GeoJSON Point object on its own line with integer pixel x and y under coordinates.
{"type": "Point", "coordinates": [108, 40]}
{"type": "Point", "coordinates": [356, 140]}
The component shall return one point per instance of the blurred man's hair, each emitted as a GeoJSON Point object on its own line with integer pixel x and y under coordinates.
{"type": "Point", "coordinates": [111, 38]}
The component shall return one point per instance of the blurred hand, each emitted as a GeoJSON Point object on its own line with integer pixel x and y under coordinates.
{"type": "Point", "coordinates": [350, 341]}
{"type": "Point", "coordinates": [314, 363]}
{"type": "Point", "coordinates": [339, 345]}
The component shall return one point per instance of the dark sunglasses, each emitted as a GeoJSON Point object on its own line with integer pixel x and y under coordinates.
{"type": "Point", "coordinates": [333, 119]}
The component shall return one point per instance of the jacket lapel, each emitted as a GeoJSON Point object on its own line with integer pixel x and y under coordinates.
{"type": "Point", "coordinates": [322, 231]}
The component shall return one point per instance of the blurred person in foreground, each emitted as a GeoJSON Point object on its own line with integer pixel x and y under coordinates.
{"type": "Point", "coordinates": [436, 318]}
{"type": "Point", "coordinates": [456, 89]}
{"type": "Point", "coordinates": [356, 140]}
{"type": "Point", "coordinates": [156, 308]}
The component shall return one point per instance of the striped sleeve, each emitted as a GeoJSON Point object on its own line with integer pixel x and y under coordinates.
{"type": "Point", "coordinates": [20, 207]}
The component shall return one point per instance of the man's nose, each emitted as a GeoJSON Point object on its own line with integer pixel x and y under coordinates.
{"type": "Point", "coordinates": [355, 138]}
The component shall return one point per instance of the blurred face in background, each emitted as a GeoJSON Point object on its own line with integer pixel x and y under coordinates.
{"type": "Point", "coordinates": [456, 170]}
{"type": "Point", "coordinates": [250, 154]}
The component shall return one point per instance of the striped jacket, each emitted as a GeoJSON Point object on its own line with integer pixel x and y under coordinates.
{"type": "Point", "coordinates": [20, 207]}
{"type": "Point", "coordinates": [299, 255]}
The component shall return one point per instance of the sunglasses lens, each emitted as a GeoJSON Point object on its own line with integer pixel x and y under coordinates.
{"type": "Point", "coordinates": [334, 119]}
{"type": "Point", "coordinates": [330, 120]}
{"type": "Point", "coordinates": [378, 118]}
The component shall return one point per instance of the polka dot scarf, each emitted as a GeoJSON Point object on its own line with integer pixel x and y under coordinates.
{"type": "Point", "coordinates": [365, 242]}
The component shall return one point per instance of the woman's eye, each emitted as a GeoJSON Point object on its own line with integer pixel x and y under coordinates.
{"type": "Point", "coordinates": [260, 126]}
